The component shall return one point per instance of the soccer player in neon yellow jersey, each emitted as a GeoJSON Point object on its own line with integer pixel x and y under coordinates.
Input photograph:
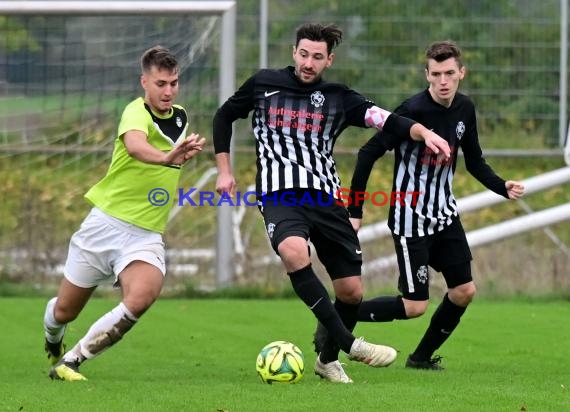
{"type": "Point", "coordinates": [121, 238]}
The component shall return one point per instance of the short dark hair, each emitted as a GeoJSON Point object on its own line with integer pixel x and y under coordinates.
{"type": "Point", "coordinates": [330, 34]}
{"type": "Point", "coordinates": [160, 57]}
{"type": "Point", "coordinates": [443, 50]}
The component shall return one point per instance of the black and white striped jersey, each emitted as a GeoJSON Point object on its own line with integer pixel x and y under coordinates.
{"type": "Point", "coordinates": [424, 203]}
{"type": "Point", "coordinates": [295, 126]}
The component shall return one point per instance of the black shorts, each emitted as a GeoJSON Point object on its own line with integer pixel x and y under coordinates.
{"type": "Point", "coordinates": [446, 251]}
{"type": "Point", "coordinates": [314, 215]}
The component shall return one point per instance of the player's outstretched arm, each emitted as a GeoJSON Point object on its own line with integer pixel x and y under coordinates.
{"type": "Point", "coordinates": [393, 123]}
{"type": "Point", "coordinates": [138, 147]}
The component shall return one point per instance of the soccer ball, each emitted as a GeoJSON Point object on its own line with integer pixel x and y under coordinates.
{"type": "Point", "coordinates": [280, 361]}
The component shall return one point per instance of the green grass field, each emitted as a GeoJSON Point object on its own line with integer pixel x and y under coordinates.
{"type": "Point", "coordinates": [199, 355]}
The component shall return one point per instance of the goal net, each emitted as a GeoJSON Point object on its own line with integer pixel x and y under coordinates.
{"type": "Point", "coordinates": [67, 70]}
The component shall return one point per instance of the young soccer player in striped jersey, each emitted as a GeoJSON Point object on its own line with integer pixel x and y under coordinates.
{"type": "Point", "coordinates": [427, 230]}
{"type": "Point", "coordinates": [121, 238]}
{"type": "Point", "coordinates": [297, 117]}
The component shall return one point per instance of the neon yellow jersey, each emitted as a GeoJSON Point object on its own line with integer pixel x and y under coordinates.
{"type": "Point", "coordinates": [124, 191]}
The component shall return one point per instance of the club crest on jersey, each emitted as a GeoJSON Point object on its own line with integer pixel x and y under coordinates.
{"type": "Point", "coordinates": [422, 274]}
{"type": "Point", "coordinates": [459, 130]}
{"type": "Point", "coordinates": [317, 99]}
{"type": "Point", "coordinates": [270, 230]}
{"type": "Point", "coordinates": [178, 122]}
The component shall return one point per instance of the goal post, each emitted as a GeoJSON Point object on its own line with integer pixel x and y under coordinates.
{"type": "Point", "coordinates": [115, 7]}
{"type": "Point", "coordinates": [567, 148]}
{"type": "Point", "coordinates": [225, 10]}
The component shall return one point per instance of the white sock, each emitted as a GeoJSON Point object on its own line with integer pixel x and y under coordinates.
{"type": "Point", "coordinates": [103, 334]}
{"type": "Point", "coordinates": [54, 330]}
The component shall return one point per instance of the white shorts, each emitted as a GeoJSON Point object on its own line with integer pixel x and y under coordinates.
{"type": "Point", "coordinates": [104, 246]}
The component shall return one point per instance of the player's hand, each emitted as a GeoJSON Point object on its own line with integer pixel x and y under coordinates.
{"type": "Point", "coordinates": [192, 145]}
{"type": "Point", "coordinates": [356, 223]}
{"type": "Point", "coordinates": [515, 190]}
{"type": "Point", "coordinates": [226, 183]}
{"type": "Point", "coordinates": [437, 144]}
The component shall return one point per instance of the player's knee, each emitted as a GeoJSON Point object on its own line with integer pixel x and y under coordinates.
{"type": "Point", "coordinates": [463, 295]}
{"type": "Point", "coordinates": [138, 305]}
{"type": "Point", "coordinates": [294, 253]}
{"type": "Point", "coordinates": [415, 308]}
{"type": "Point", "coordinates": [64, 314]}
{"type": "Point", "coordinates": [348, 289]}
{"type": "Point", "coordinates": [350, 296]}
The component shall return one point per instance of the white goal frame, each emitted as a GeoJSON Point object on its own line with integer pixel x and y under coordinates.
{"type": "Point", "coordinates": [567, 148]}
{"type": "Point", "coordinates": [227, 11]}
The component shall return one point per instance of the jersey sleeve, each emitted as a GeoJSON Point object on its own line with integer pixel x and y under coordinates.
{"type": "Point", "coordinates": [134, 117]}
{"type": "Point", "coordinates": [365, 113]}
{"type": "Point", "coordinates": [237, 106]}
{"type": "Point", "coordinates": [355, 107]}
{"type": "Point", "coordinates": [475, 162]}
{"type": "Point", "coordinates": [399, 123]}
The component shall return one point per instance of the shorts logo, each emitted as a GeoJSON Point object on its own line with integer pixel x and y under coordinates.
{"type": "Point", "coordinates": [422, 274]}
{"type": "Point", "coordinates": [270, 230]}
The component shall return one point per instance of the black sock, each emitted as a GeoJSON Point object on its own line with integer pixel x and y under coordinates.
{"type": "Point", "coordinates": [382, 309]}
{"type": "Point", "coordinates": [311, 291]}
{"type": "Point", "coordinates": [348, 314]}
{"type": "Point", "coordinates": [443, 322]}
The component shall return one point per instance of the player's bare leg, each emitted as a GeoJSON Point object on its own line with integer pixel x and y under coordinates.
{"type": "Point", "coordinates": [141, 284]}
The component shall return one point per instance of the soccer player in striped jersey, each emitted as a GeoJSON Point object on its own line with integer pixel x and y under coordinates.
{"type": "Point", "coordinates": [121, 238]}
{"type": "Point", "coordinates": [426, 229]}
{"type": "Point", "coordinates": [297, 117]}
